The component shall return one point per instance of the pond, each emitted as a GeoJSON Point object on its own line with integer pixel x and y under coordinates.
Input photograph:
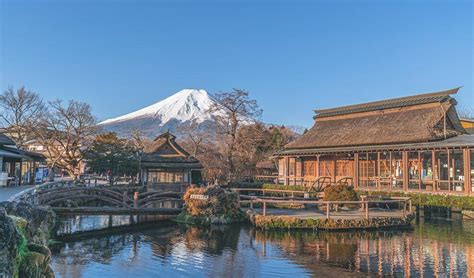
{"type": "Point", "coordinates": [437, 245]}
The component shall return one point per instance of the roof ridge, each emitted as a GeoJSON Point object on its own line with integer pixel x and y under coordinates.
{"type": "Point", "coordinates": [387, 103]}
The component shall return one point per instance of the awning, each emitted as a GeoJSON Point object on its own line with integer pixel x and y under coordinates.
{"type": "Point", "coordinates": [8, 154]}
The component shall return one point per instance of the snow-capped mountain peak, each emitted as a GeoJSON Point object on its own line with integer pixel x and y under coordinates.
{"type": "Point", "coordinates": [185, 105]}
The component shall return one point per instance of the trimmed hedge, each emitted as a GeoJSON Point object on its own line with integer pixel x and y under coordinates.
{"type": "Point", "coordinates": [426, 199]}
{"type": "Point", "coordinates": [288, 222]}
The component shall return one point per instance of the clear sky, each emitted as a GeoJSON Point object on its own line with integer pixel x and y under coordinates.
{"type": "Point", "coordinates": [292, 56]}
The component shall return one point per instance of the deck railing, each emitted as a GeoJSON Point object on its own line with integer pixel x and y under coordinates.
{"type": "Point", "coordinates": [364, 204]}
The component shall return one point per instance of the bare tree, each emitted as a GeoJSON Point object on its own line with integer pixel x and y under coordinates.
{"type": "Point", "coordinates": [63, 131]}
{"type": "Point", "coordinates": [466, 112]}
{"type": "Point", "coordinates": [195, 138]}
{"type": "Point", "coordinates": [233, 108]}
{"type": "Point", "coordinates": [19, 111]}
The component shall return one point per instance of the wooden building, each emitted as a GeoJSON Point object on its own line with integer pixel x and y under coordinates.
{"type": "Point", "coordinates": [165, 165]}
{"type": "Point", "coordinates": [17, 166]}
{"type": "Point", "coordinates": [414, 143]}
{"type": "Point", "coordinates": [468, 124]}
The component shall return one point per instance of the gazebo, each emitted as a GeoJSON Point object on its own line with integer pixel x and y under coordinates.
{"type": "Point", "coordinates": [165, 165]}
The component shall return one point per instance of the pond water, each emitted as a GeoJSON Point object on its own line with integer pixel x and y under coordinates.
{"type": "Point", "coordinates": [436, 246]}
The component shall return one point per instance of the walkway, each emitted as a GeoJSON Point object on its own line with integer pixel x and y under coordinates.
{"type": "Point", "coordinates": [7, 192]}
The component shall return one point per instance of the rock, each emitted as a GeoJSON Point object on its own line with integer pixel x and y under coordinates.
{"type": "Point", "coordinates": [35, 265]}
{"type": "Point", "coordinates": [40, 220]}
{"type": "Point", "coordinates": [9, 241]}
{"type": "Point", "coordinates": [33, 247]}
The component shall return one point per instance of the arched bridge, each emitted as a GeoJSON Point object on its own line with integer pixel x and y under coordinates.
{"type": "Point", "coordinates": [65, 196]}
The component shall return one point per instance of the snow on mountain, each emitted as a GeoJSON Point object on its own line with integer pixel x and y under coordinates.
{"type": "Point", "coordinates": [186, 105]}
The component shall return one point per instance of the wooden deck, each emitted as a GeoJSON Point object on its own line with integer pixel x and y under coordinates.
{"type": "Point", "coordinates": [341, 214]}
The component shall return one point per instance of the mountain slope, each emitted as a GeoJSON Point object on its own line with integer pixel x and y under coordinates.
{"type": "Point", "coordinates": [183, 108]}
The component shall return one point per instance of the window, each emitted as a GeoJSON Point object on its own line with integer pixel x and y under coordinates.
{"type": "Point", "coordinates": [367, 170]}
{"type": "Point", "coordinates": [309, 168]}
{"type": "Point", "coordinates": [385, 178]}
{"type": "Point", "coordinates": [344, 168]}
{"type": "Point", "coordinates": [427, 170]}
{"type": "Point", "coordinates": [397, 170]}
{"type": "Point", "coordinates": [292, 166]}
{"type": "Point", "coordinates": [413, 170]}
{"type": "Point", "coordinates": [326, 168]}
{"type": "Point", "coordinates": [166, 177]}
{"type": "Point", "coordinates": [456, 170]}
{"type": "Point", "coordinates": [443, 166]}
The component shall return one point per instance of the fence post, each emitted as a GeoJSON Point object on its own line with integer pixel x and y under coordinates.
{"type": "Point", "coordinates": [124, 199]}
{"type": "Point", "coordinates": [404, 208]}
{"type": "Point", "coordinates": [264, 208]}
{"type": "Point", "coordinates": [410, 208]}
{"type": "Point", "coordinates": [327, 210]}
{"type": "Point", "coordinates": [251, 203]}
{"type": "Point", "coordinates": [366, 209]}
{"type": "Point", "coordinates": [135, 199]}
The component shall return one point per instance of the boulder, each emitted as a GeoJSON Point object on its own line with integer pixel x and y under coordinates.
{"type": "Point", "coordinates": [9, 242]}
{"type": "Point", "coordinates": [40, 220]}
{"type": "Point", "coordinates": [34, 264]}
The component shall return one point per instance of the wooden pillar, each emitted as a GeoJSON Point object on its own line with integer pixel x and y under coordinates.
{"type": "Point", "coordinates": [19, 174]}
{"type": "Point", "coordinates": [334, 165]}
{"type": "Point", "coordinates": [405, 170]}
{"type": "Point", "coordinates": [467, 171]}
{"type": "Point", "coordinates": [299, 170]}
{"type": "Point", "coordinates": [287, 171]}
{"type": "Point", "coordinates": [317, 167]}
{"type": "Point", "coordinates": [356, 170]}
{"type": "Point", "coordinates": [378, 170]}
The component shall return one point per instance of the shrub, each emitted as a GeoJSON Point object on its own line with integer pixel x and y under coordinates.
{"type": "Point", "coordinates": [220, 202]}
{"type": "Point", "coordinates": [244, 184]}
{"type": "Point", "coordinates": [340, 192]}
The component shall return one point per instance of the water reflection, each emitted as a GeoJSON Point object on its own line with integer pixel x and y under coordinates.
{"type": "Point", "coordinates": [434, 247]}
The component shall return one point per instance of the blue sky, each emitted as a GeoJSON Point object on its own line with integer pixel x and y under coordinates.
{"type": "Point", "coordinates": [292, 56]}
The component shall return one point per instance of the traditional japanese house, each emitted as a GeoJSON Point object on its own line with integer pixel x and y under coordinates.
{"type": "Point", "coordinates": [414, 143]}
{"type": "Point", "coordinates": [165, 165]}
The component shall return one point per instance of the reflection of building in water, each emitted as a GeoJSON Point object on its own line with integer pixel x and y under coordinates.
{"type": "Point", "coordinates": [422, 253]}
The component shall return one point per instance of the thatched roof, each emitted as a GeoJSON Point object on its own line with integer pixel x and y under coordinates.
{"type": "Point", "coordinates": [5, 140]}
{"type": "Point", "coordinates": [164, 152]}
{"type": "Point", "coordinates": [412, 119]}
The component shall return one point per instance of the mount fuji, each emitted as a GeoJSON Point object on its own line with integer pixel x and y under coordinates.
{"type": "Point", "coordinates": [185, 107]}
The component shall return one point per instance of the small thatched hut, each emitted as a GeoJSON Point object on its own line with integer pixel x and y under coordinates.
{"type": "Point", "coordinates": [414, 143]}
{"type": "Point", "coordinates": [165, 165]}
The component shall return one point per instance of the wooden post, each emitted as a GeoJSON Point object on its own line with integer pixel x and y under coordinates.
{"type": "Point", "coordinates": [356, 170]}
{"type": "Point", "coordinates": [135, 199]}
{"type": "Point", "coordinates": [404, 208]}
{"type": "Point", "coordinates": [405, 170]}
{"type": "Point", "coordinates": [327, 210]}
{"type": "Point", "coordinates": [264, 208]}
{"type": "Point", "coordinates": [251, 203]}
{"type": "Point", "coordinates": [467, 171]}
{"type": "Point", "coordinates": [366, 209]}
{"type": "Point", "coordinates": [410, 209]}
